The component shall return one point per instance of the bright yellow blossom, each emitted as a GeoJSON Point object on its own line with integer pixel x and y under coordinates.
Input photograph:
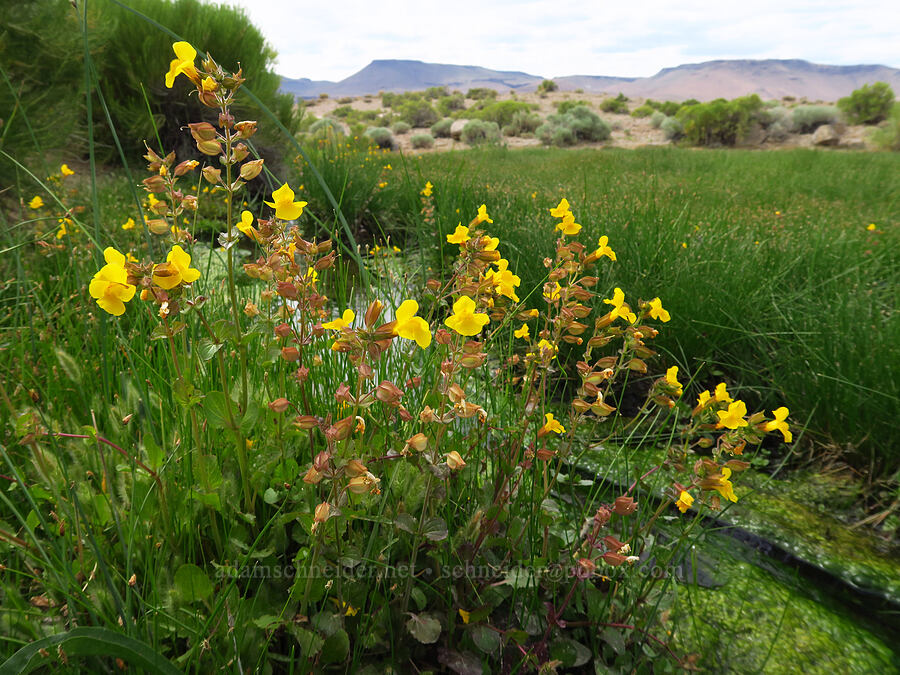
{"type": "Point", "coordinates": [733, 418]}
{"type": "Point", "coordinates": [492, 243]}
{"type": "Point", "coordinates": [343, 322]}
{"type": "Point", "coordinates": [672, 379]}
{"type": "Point", "coordinates": [182, 64]}
{"type": "Point", "coordinates": [209, 84]}
{"type": "Point", "coordinates": [561, 209]}
{"type": "Point", "coordinates": [285, 206]}
{"type": "Point", "coordinates": [460, 235]}
{"type": "Point", "coordinates": [657, 311]}
{"type": "Point", "coordinates": [128, 224]}
{"type": "Point", "coordinates": [568, 226]}
{"type": "Point", "coordinates": [779, 424]}
{"type": "Point", "coordinates": [603, 249]}
{"type": "Point", "coordinates": [426, 191]}
{"type": "Point", "coordinates": [177, 269]}
{"type": "Point", "coordinates": [412, 327]}
{"type": "Point", "coordinates": [465, 320]}
{"type": "Point", "coordinates": [722, 395]}
{"type": "Point", "coordinates": [703, 399]}
{"type": "Point", "coordinates": [522, 332]}
{"type": "Point", "coordinates": [553, 293]}
{"type": "Point", "coordinates": [723, 486]}
{"type": "Point", "coordinates": [551, 425]}
{"type": "Point", "coordinates": [66, 171]}
{"type": "Point", "coordinates": [685, 500]}
{"type": "Point", "coordinates": [504, 280]}
{"type": "Point", "coordinates": [246, 224]}
{"type": "Point", "coordinates": [110, 287]}
{"type": "Point", "coordinates": [483, 216]}
{"type": "Point", "coordinates": [36, 202]}
{"type": "Point", "coordinates": [620, 307]}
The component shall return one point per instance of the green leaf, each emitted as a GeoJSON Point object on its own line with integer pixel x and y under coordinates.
{"type": "Point", "coordinates": [424, 628]}
{"type": "Point", "coordinates": [192, 584]}
{"type": "Point", "coordinates": [418, 597]}
{"type": "Point", "coordinates": [336, 647]}
{"type": "Point", "coordinates": [206, 348]}
{"type": "Point", "coordinates": [155, 455]}
{"type": "Point", "coordinates": [614, 638]}
{"type": "Point", "coordinates": [270, 496]}
{"type": "Point", "coordinates": [310, 642]}
{"type": "Point", "coordinates": [215, 409]}
{"type": "Point", "coordinates": [267, 622]}
{"type": "Point", "coordinates": [185, 394]}
{"type": "Point", "coordinates": [406, 522]}
{"type": "Point", "coordinates": [572, 654]}
{"type": "Point", "coordinates": [248, 421]}
{"type": "Point", "coordinates": [435, 529]}
{"type": "Point", "coordinates": [88, 641]}
{"type": "Point", "coordinates": [485, 639]}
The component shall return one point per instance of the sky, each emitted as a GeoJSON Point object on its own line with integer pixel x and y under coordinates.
{"type": "Point", "coordinates": [552, 38]}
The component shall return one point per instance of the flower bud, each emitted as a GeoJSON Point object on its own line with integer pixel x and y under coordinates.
{"type": "Point", "coordinates": [202, 131]}
{"type": "Point", "coordinates": [239, 153]}
{"type": "Point", "coordinates": [417, 442]}
{"type": "Point", "coordinates": [388, 392]}
{"type": "Point", "coordinates": [279, 405]}
{"type": "Point", "coordinates": [372, 313]}
{"type": "Point", "coordinates": [211, 148]}
{"type": "Point", "coordinates": [290, 354]}
{"type": "Point", "coordinates": [455, 461]}
{"type": "Point", "coordinates": [341, 429]}
{"type": "Point", "coordinates": [282, 330]}
{"type": "Point", "coordinates": [322, 513]}
{"type": "Point", "coordinates": [212, 175]}
{"type": "Point", "coordinates": [624, 506]}
{"type": "Point", "coordinates": [155, 184]}
{"type": "Point", "coordinates": [246, 129]}
{"type": "Point", "coordinates": [158, 226]}
{"type": "Point", "coordinates": [355, 468]}
{"type": "Point", "coordinates": [312, 477]}
{"type": "Point", "coordinates": [207, 98]}
{"type": "Point", "coordinates": [305, 422]}
{"type": "Point", "coordinates": [251, 169]}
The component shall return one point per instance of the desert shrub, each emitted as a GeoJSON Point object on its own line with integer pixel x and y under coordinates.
{"type": "Point", "coordinates": [479, 93]}
{"type": "Point", "coordinates": [388, 99]}
{"type": "Point", "coordinates": [779, 122]}
{"type": "Point", "coordinates": [343, 100]}
{"type": "Point", "coordinates": [522, 123]}
{"type": "Point", "coordinates": [643, 111]}
{"type": "Point", "coordinates": [669, 108]}
{"type": "Point", "coordinates": [719, 122]}
{"type": "Point", "coordinates": [656, 119]}
{"type": "Point", "coordinates": [547, 86]}
{"type": "Point", "coordinates": [562, 107]}
{"type": "Point", "coordinates": [342, 111]}
{"type": "Point", "coordinates": [436, 92]}
{"type": "Point", "coordinates": [477, 132]}
{"type": "Point", "coordinates": [326, 127]}
{"type": "Point", "coordinates": [400, 127]}
{"type": "Point", "coordinates": [870, 104]}
{"type": "Point", "coordinates": [617, 105]}
{"type": "Point", "coordinates": [807, 118]}
{"type": "Point", "coordinates": [323, 95]}
{"type": "Point", "coordinates": [381, 137]}
{"type": "Point", "coordinates": [887, 137]}
{"type": "Point", "coordinates": [579, 124]}
{"type": "Point", "coordinates": [422, 141]}
{"type": "Point", "coordinates": [441, 129]}
{"type": "Point", "coordinates": [417, 113]}
{"type": "Point", "coordinates": [447, 104]}
{"type": "Point", "coordinates": [672, 128]}
{"type": "Point", "coordinates": [689, 102]}
{"type": "Point", "coordinates": [502, 112]}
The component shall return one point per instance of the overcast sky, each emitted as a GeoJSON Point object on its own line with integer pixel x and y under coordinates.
{"type": "Point", "coordinates": [549, 38]}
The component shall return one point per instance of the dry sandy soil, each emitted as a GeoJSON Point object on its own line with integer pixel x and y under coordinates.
{"type": "Point", "coordinates": [628, 131]}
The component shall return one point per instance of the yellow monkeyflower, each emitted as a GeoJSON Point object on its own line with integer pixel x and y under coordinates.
{"type": "Point", "coordinates": [620, 307]}
{"type": "Point", "coordinates": [553, 293]}
{"type": "Point", "coordinates": [177, 269]}
{"type": "Point", "coordinates": [410, 326]}
{"type": "Point", "coordinates": [427, 190]}
{"type": "Point", "coordinates": [492, 243]}
{"type": "Point", "coordinates": [460, 235]}
{"type": "Point", "coordinates": [568, 226]}
{"type": "Point", "coordinates": [465, 320]}
{"type": "Point", "coordinates": [246, 224]}
{"type": "Point", "coordinates": [703, 399]}
{"type": "Point", "coordinates": [657, 311]}
{"type": "Point", "coordinates": [209, 84]}
{"type": "Point", "coordinates": [722, 395]}
{"type": "Point", "coordinates": [723, 486]}
{"type": "Point", "coordinates": [522, 332]}
{"type": "Point", "coordinates": [561, 209]}
{"type": "Point", "coordinates": [483, 216]}
{"type": "Point", "coordinates": [66, 171]}
{"type": "Point", "coordinates": [110, 287]}
{"type": "Point", "coordinates": [343, 322]}
{"type": "Point", "coordinates": [128, 224]}
{"type": "Point", "coordinates": [871, 227]}
{"type": "Point", "coordinates": [546, 349]}
{"type": "Point", "coordinates": [779, 424]}
{"type": "Point", "coordinates": [285, 206]}
{"type": "Point", "coordinates": [672, 379]}
{"type": "Point", "coordinates": [36, 202]}
{"type": "Point", "coordinates": [732, 418]}
{"type": "Point", "coordinates": [603, 249]}
{"type": "Point", "coordinates": [504, 280]}
{"type": "Point", "coordinates": [183, 63]}
{"type": "Point", "coordinates": [464, 615]}
{"type": "Point", "coordinates": [551, 425]}
{"type": "Point", "coordinates": [62, 232]}
{"type": "Point", "coordinates": [685, 500]}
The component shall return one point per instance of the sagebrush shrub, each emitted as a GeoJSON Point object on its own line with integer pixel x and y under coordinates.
{"type": "Point", "coordinates": [805, 119]}
{"type": "Point", "coordinates": [419, 141]}
{"type": "Point", "coordinates": [581, 124]}
{"type": "Point", "coordinates": [327, 126]}
{"type": "Point", "coordinates": [382, 137]}
{"type": "Point", "coordinates": [400, 128]}
{"type": "Point", "coordinates": [562, 107]}
{"type": "Point", "coordinates": [417, 113]}
{"type": "Point", "coordinates": [522, 123]}
{"type": "Point", "coordinates": [643, 111]}
{"type": "Point", "coordinates": [672, 128]}
{"type": "Point", "coordinates": [617, 105]}
{"type": "Point", "coordinates": [477, 132]}
{"type": "Point", "coordinates": [656, 119]}
{"type": "Point", "coordinates": [502, 112]}
{"type": "Point", "coordinates": [441, 129]}
{"type": "Point", "coordinates": [719, 122]}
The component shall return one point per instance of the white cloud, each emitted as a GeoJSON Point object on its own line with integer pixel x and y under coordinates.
{"type": "Point", "coordinates": [566, 37]}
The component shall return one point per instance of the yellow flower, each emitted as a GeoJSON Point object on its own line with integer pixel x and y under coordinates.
{"type": "Point", "coordinates": [464, 615]}
{"type": "Point", "coordinates": [492, 243]}
{"type": "Point", "coordinates": [620, 307]}
{"type": "Point", "coordinates": [685, 500]}
{"type": "Point", "coordinates": [561, 209]}
{"type": "Point", "coordinates": [130, 258]}
{"type": "Point", "coordinates": [464, 319]}
{"type": "Point", "coordinates": [703, 399]}
{"type": "Point", "coordinates": [483, 216]}
{"type": "Point", "coordinates": [209, 84]}
{"type": "Point", "coordinates": [553, 293]}
{"type": "Point", "coordinates": [128, 224]}
{"type": "Point", "coordinates": [459, 236]}
{"type": "Point", "coordinates": [410, 326]}
{"type": "Point", "coordinates": [733, 418]}
{"type": "Point", "coordinates": [779, 424]}
{"type": "Point", "coordinates": [522, 332]}
{"type": "Point", "coordinates": [568, 225]}
{"type": "Point", "coordinates": [183, 63]}
{"type": "Point", "coordinates": [426, 191]}
{"type": "Point", "coordinates": [311, 275]}
{"type": "Point", "coordinates": [382, 184]}
{"type": "Point", "coordinates": [551, 425]}
{"type": "Point", "coordinates": [657, 311]}
{"type": "Point", "coordinates": [152, 200]}
{"type": "Point", "coordinates": [110, 287]}
{"type": "Point", "coordinates": [246, 224]}
{"type": "Point", "coordinates": [534, 314]}
{"type": "Point", "coordinates": [285, 206]}
{"type": "Point", "coordinates": [341, 323]}
{"type": "Point", "coordinates": [722, 395]}
{"type": "Point", "coordinates": [455, 460]}
{"type": "Point", "coordinates": [684, 244]}
{"type": "Point", "coordinates": [36, 203]}
{"type": "Point", "coordinates": [871, 227]}
{"type": "Point", "coordinates": [723, 486]}
{"type": "Point", "coordinates": [604, 249]}
{"type": "Point", "coordinates": [66, 171]}
{"type": "Point", "coordinates": [177, 269]}
{"type": "Point", "coordinates": [504, 281]}
{"type": "Point", "coordinates": [672, 379]}
{"type": "Point", "coordinates": [62, 227]}
{"type": "Point", "coordinates": [546, 349]}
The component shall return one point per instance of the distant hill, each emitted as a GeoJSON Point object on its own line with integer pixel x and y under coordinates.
{"type": "Point", "coordinates": [771, 79]}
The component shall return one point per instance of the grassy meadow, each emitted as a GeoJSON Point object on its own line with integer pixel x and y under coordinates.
{"type": "Point", "coordinates": [296, 403]}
